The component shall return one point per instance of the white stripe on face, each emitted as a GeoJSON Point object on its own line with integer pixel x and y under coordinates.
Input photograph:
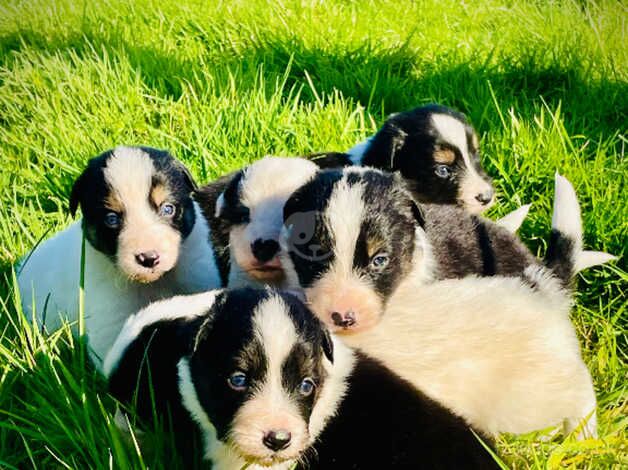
{"type": "Point", "coordinates": [343, 219]}
{"type": "Point", "coordinates": [271, 408]}
{"type": "Point", "coordinates": [453, 132]}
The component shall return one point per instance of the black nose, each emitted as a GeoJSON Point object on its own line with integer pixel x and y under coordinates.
{"type": "Point", "coordinates": [148, 259]}
{"type": "Point", "coordinates": [485, 197]}
{"type": "Point", "coordinates": [277, 440]}
{"type": "Point", "coordinates": [344, 321]}
{"type": "Point", "coordinates": [264, 250]}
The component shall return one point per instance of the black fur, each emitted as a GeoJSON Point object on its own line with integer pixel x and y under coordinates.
{"type": "Point", "coordinates": [90, 192]}
{"type": "Point", "coordinates": [559, 256]}
{"type": "Point", "coordinates": [384, 422]}
{"type": "Point", "coordinates": [206, 197]}
{"type": "Point", "coordinates": [330, 159]}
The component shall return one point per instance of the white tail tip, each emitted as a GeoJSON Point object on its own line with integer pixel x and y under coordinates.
{"type": "Point", "coordinates": [513, 220]}
{"type": "Point", "coordinates": [586, 259]}
{"type": "Point", "coordinates": [566, 215]}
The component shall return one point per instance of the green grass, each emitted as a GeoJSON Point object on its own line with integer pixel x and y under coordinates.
{"type": "Point", "coordinates": [223, 83]}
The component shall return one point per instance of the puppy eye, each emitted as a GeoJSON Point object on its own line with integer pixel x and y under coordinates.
{"type": "Point", "coordinates": [238, 381]}
{"type": "Point", "coordinates": [379, 261]}
{"type": "Point", "coordinates": [112, 220]}
{"type": "Point", "coordinates": [306, 387]}
{"type": "Point", "coordinates": [167, 209]}
{"type": "Point", "coordinates": [237, 215]}
{"type": "Point", "coordinates": [442, 171]}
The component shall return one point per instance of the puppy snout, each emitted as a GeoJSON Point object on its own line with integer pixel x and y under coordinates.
{"type": "Point", "coordinates": [264, 250]}
{"type": "Point", "coordinates": [485, 197]}
{"type": "Point", "coordinates": [277, 440]}
{"type": "Point", "coordinates": [343, 320]}
{"type": "Point", "coordinates": [148, 259]}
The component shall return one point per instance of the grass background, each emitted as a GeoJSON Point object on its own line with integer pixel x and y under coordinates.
{"type": "Point", "coordinates": [223, 83]}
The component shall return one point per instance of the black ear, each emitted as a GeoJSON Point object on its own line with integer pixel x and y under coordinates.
{"type": "Point", "coordinates": [328, 345]}
{"type": "Point", "coordinates": [189, 179]}
{"type": "Point", "coordinates": [78, 190]}
{"type": "Point", "coordinates": [230, 195]}
{"type": "Point", "coordinates": [384, 146]}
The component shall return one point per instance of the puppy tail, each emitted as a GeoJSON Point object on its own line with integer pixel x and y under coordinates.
{"type": "Point", "coordinates": [565, 256]}
{"type": "Point", "coordinates": [513, 220]}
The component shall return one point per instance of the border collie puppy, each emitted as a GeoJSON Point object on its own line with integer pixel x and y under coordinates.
{"type": "Point", "coordinates": [145, 240]}
{"type": "Point", "coordinates": [245, 212]}
{"type": "Point", "coordinates": [353, 235]}
{"type": "Point", "coordinates": [434, 148]}
{"type": "Point", "coordinates": [501, 355]}
{"type": "Point", "coordinates": [270, 387]}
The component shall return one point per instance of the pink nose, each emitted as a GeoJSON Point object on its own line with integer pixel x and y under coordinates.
{"type": "Point", "coordinates": [344, 320]}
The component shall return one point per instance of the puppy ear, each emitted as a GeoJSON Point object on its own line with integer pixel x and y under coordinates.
{"type": "Point", "coordinates": [417, 213]}
{"type": "Point", "coordinates": [230, 193]}
{"type": "Point", "coordinates": [385, 145]}
{"type": "Point", "coordinates": [78, 190]}
{"type": "Point", "coordinates": [328, 345]}
{"type": "Point", "coordinates": [189, 179]}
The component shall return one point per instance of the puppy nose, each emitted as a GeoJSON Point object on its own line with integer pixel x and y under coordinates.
{"type": "Point", "coordinates": [343, 320]}
{"type": "Point", "coordinates": [148, 259]}
{"type": "Point", "coordinates": [485, 197]}
{"type": "Point", "coordinates": [264, 250]}
{"type": "Point", "coordinates": [277, 440]}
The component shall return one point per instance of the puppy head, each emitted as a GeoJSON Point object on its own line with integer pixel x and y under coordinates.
{"type": "Point", "coordinates": [349, 240]}
{"type": "Point", "coordinates": [258, 368]}
{"type": "Point", "coordinates": [136, 208]}
{"type": "Point", "coordinates": [438, 150]}
{"type": "Point", "coordinates": [251, 207]}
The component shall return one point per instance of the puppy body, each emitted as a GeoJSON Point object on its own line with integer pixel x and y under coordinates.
{"type": "Point", "coordinates": [277, 351]}
{"type": "Point", "coordinates": [502, 355]}
{"type": "Point", "coordinates": [116, 284]}
{"type": "Point", "coordinates": [353, 235]}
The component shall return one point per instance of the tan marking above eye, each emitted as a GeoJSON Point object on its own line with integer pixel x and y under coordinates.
{"type": "Point", "coordinates": [113, 203]}
{"type": "Point", "coordinates": [373, 246]}
{"type": "Point", "coordinates": [159, 194]}
{"type": "Point", "coordinates": [475, 142]}
{"type": "Point", "coordinates": [445, 156]}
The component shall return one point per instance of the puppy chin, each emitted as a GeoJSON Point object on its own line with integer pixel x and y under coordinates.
{"type": "Point", "coordinates": [474, 207]}
{"type": "Point", "coordinates": [270, 272]}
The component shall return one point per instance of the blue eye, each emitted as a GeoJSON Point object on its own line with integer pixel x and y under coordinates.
{"type": "Point", "coordinates": [167, 209]}
{"type": "Point", "coordinates": [112, 220]}
{"type": "Point", "coordinates": [442, 171]}
{"type": "Point", "coordinates": [379, 261]}
{"type": "Point", "coordinates": [306, 387]}
{"type": "Point", "coordinates": [238, 381]}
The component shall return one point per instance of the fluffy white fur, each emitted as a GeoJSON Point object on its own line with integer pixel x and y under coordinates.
{"type": "Point", "coordinates": [495, 351]}
{"type": "Point", "coordinates": [513, 220]}
{"type": "Point", "coordinates": [49, 280]}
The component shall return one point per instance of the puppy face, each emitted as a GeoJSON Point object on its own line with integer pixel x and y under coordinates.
{"type": "Point", "coordinates": [136, 209]}
{"type": "Point", "coordinates": [251, 207]}
{"type": "Point", "coordinates": [349, 238]}
{"type": "Point", "coordinates": [257, 371]}
{"type": "Point", "coordinates": [437, 149]}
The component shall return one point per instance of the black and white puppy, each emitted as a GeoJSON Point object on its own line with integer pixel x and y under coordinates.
{"type": "Point", "coordinates": [434, 148]}
{"type": "Point", "coordinates": [145, 240]}
{"type": "Point", "coordinates": [245, 212]}
{"type": "Point", "coordinates": [352, 236]}
{"type": "Point", "coordinates": [270, 387]}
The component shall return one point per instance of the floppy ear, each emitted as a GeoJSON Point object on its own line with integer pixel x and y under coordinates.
{"type": "Point", "coordinates": [328, 345]}
{"type": "Point", "coordinates": [385, 145]}
{"type": "Point", "coordinates": [78, 189]}
{"type": "Point", "coordinates": [189, 179]}
{"type": "Point", "coordinates": [229, 194]}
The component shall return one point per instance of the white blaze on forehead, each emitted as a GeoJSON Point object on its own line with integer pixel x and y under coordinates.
{"type": "Point", "coordinates": [453, 131]}
{"type": "Point", "coordinates": [343, 217]}
{"type": "Point", "coordinates": [129, 174]}
{"type": "Point", "coordinates": [266, 186]}
{"type": "Point", "coordinates": [276, 332]}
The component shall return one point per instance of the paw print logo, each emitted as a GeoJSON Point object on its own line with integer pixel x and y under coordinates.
{"type": "Point", "coordinates": [300, 228]}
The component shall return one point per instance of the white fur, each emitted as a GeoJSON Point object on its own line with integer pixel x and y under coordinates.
{"type": "Point", "coordinates": [567, 220]}
{"type": "Point", "coordinates": [181, 306]}
{"type": "Point", "coordinates": [513, 220]}
{"type": "Point", "coordinates": [53, 270]}
{"type": "Point", "coordinates": [503, 356]}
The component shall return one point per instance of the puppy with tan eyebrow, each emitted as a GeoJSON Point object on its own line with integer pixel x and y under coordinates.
{"type": "Point", "coordinates": [145, 240]}
{"type": "Point", "coordinates": [435, 149]}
